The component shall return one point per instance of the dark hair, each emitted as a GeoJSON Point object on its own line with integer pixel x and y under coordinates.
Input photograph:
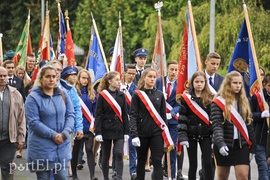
{"type": "Point", "coordinates": [130, 66]}
{"type": "Point", "coordinates": [8, 62]}
{"type": "Point", "coordinates": [266, 78]}
{"type": "Point", "coordinates": [31, 55]}
{"type": "Point", "coordinates": [172, 62]}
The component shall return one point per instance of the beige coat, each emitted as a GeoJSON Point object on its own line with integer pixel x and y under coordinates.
{"type": "Point", "coordinates": [17, 122]}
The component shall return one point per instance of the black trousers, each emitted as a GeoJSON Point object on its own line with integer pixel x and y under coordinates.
{"type": "Point", "coordinates": [118, 145]}
{"type": "Point", "coordinates": [7, 153]}
{"type": "Point", "coordinates": [156, 145]}
{"type": "Point", "coordinates": [205, 145]}
{"type": "Point", "coordinates": [88, 141]}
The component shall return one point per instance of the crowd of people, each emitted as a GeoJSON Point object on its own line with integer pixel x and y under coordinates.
{"type": "Point", "coordinates": [62, 114]}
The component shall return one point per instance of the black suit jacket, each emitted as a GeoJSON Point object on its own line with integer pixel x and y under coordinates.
{"type": "Point", "coordinates": [19, 85]}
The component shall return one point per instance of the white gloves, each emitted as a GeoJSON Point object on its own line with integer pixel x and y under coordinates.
{"type": "Point", "coordinates": [123, 87]}
{"type": "Point", "coordinates": [251, 156]}
{"type": "Point", "coordinates": [126, 137]}
{"type": "Point", "coordinates": [224, 151]}
{"type": "Point", "coordinates": [99, 138]}
{"type": "Point", "coordinates": [169, 116]}
{"type": "Point", "coordinates": [185, 143]}
{"type": "Point", "coordinates": [265, 114]}
{"type": "Point", "coordinates": [136, 142]}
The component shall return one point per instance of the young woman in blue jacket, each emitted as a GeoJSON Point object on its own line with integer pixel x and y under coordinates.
{"type": "Point", "coordinates": [50, 120]}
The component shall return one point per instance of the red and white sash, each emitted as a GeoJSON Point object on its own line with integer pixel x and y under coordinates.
{"type": "Point", "coordinates": [196, 109]}
{"type": "Point", "coordinates": [157, 118]}
{"type": "Point", "coordinates": [260, 101]}
{"type": "Point", "coordinates": [128, 98]}
{"type": "Point", "coordinates": [88, 115]}
{"type": "Point", "coordinates": [169, 109]}
{"type": "Point", "coordinates": [213, 91]}
{"type": "Point", "coordinates": [236, 119]}
{"type": "Point", "coordinates": [113, 103]}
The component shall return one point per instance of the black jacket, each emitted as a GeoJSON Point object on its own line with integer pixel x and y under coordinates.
{"type": "Point", "coordinates": [223, 131]}
{"type": "Point", "coordinates": [107, 122]}
{"type": "Point", "coordinates": [141, 123]}
{"type": "Point", "coordinates": [260, 124]}
{"type": "Point", "coordinates": [190, 126]}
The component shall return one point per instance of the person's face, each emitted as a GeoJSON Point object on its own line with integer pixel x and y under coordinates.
{"type": "Point", "coordinates": [48, 81]}
{"type": "Point", "coordinates": [172, 71]}
{"type": "Point", "coordinates": [3, 77]}
{"type": "Point", "coordinates": [20, 73]}
{"type": "Point", "coordinates": [10, 68]}
{"type": "Point", "coordinates": [267, 87]}
{"type": "Point", "coordinates": [84, 79]}
{"type": "Point", "coordinates": [59, 69]}
{"type": "Point", "coordinates": [30, 62]}
{"type": "Point", "coordinates": [199, 83]}
{"type": "Point", "coordinates": [212, 65]}
{"type": "Point", "coordinates": [262, 74]}
{"type": "Point", "coordinates": [71, 79]}
{"type": "Point", "coordinates": [236, 84]}
{"type": "Point", "coordinates": [114, 82]}
{"type": "Point", "coordinates": [150, 79]}
{"type": "Point", "coordinates": [141, 61]}
{"type": "Point", "coordinates": [129, 75]}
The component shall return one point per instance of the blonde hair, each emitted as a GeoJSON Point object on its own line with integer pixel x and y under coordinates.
{"type": "Point", "coordinates": [41, 73]}
{"type": "Point", "coordinates": [78, 85]}
{"type": "Point", "coordinates": [104, 83]}
{"type": "Point", "coordinates": [25, 80]}
{"type": "Point", "coordinates": [206, 95]}
{"type": "Point", "coordinates": [141, 82]}
{"type": "Point", "coordinates": [225, 92]}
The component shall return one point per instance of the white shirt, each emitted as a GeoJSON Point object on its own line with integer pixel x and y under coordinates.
{"type": "Point", "coordinates": [208, 76]}
{"type": "Point", "coordinates": [172, 84]}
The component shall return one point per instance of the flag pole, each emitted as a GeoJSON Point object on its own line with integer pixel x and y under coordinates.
{"type": "Point", "coordinates": [1, 50]}
{"type": "Point", "coordinates": [252, 46]}
{"type": "Point", "coordinates": [198, 57]}
{"type": "Point", "coordinates": [121, 45]}
{"type": "Point", "coordinates": [158, 8]}
{"type": "Point", "coordinates": [90, 44]}
{"type": "Point", "coordinates": [99, 43]}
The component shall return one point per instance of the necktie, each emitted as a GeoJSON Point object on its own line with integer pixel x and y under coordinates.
{"type": "Point", "coordinates": [127, 87]}
{"type": "Point", "coordinates": [168, 90]}
{"type": "Point", "coordinates": [10, 81]}
{"type": "Point", "coordinates": [210, 81]}
{"type": "Point", "coordinates": [140, 73]}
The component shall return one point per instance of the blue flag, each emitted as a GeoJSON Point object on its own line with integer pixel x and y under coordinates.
{"type": "Point", "coordinates": [243, 62]}
{"type": "Point", "coordinates": [95, 65]}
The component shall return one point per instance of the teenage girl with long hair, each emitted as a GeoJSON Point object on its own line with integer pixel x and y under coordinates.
{"type": "Point", "coordinates": [111, 124]}
{"type": "Point", "coordinates": [144, 129]}
{"type": "Point", "coordinates": [195, 125]}
{"type": "Point", "coordinates": [234, 139]}
{"type": "Point", "coordinates": [88, 98]}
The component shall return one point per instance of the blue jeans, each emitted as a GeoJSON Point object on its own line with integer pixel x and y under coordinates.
{"type": "Point", "coordinates": [58, 175]}
{"type": "Point", "coordinates": [132, 157]}
{"type": "Point", "coordinates": [173, 153]}
{"type": "Point", "coordinates": [261, 161]}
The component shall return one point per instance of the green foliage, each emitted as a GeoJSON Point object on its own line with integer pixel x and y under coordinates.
{"type": "Point", "coordinates": [139, 24]}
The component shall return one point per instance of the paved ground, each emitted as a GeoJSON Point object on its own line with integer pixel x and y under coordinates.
{"type": "Point", "coordinates": [24, 174]}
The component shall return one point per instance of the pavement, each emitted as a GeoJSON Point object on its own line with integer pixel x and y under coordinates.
{"type": "Point", "coordinates": [22, 173]}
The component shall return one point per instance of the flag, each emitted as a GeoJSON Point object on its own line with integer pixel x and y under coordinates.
{"type": "Point", "coordinates": [243, 62]}
{"type": "Point", "coordinates": [70, 49]}
{"type": "Point", "coordinates": [159, 63]}
{"type": "Point", "coordinates": [44, 41]}
{"type": "Point", "coordinates": [61, 43]}
{"type": "Point", "coordinates": [52, 54]}
{"type": "Point", "coordinates": [187, 60]}
{"type": "Point", "coordinates": [116, 58]}
{"type": "Point", "coordinates": [95, 64]}
{"type": "Point", "coordinates": [24, 46]}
